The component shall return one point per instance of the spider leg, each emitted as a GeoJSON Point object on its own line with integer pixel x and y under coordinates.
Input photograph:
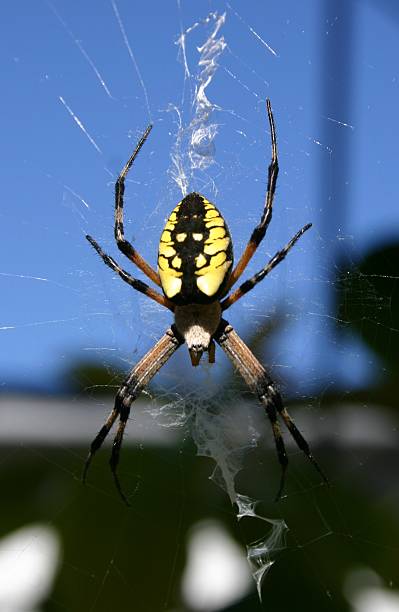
{"type": "Point", "coordinates": [117, 444]}
{"type": "Point", "coordinates": [268, 402]}
{"type": "Point", "coordinates": [260, 383]}
{"type": "Point", "coordinates": [123, 245]}
{"type": "Point", "coordinates": [130, 389]}
{"type": "Point", "coordinates": [133, 282]}
{"type": "Point", "coordinates": [98, 440]}
{"type": "Point", "coordinates": [300, 441]}
{"type": "Point", "coordinates": [260, 230]}
{"type": "Point", "coordinates": [254, 280]}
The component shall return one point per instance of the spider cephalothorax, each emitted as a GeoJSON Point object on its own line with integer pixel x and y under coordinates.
{"type": "Point", "coordinates": [195, 273]}
{"type": "Point", "coordinates": [197, 324]}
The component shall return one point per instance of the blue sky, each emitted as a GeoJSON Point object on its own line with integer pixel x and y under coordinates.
{"type": "Point", "coordinates": [68, 66]}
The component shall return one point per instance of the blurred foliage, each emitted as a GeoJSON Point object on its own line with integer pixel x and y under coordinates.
{"type": "Point", "coordinates": [116, 557]}
{"type": "Point", "coordinates": [368, 303]}
{"type": "Point", "coordinates": [93, 378]}
{"type": "Point", "coordinates": [369, 300]}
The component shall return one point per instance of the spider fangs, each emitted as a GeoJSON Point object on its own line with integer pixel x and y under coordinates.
{"type": "Point", "coordinates": [198, 324]}
{"type": "Point", "coordinates": [196, 273]}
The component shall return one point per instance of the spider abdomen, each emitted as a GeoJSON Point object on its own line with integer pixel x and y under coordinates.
{"type": "Point", "coordinates": [195, 253]}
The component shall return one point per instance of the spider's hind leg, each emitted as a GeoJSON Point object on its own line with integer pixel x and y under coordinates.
{"type": "Point", "coordinates": [261, 384]}
{"type": "Point", "coordinates": [301, 442]}
{"type": "Point", "coordinates": [123, 408]}
{"type": "Point", "coordinates": [268, 400]}
{"type": "Point", "coordinates": [123, 412]}
{"type": "Point", "coordinates": [130, 389]}
{"type": "Point", "coordinates": [98, 440]}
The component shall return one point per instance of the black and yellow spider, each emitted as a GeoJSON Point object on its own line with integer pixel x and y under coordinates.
{"type": "Point", "coordinates": [195, 273]}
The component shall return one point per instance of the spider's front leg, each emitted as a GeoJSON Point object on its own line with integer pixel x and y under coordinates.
{"type": "Point", "coordinates": [130, 389]}
{"type": "Point", "coordinates": [260, 383]}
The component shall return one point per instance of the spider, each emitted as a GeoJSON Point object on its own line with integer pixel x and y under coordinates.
{"type": "Point", "coordinates": [196, 273]}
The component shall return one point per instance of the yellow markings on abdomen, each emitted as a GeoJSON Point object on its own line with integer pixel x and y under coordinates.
{"type": "Point", "coordinates": [176, 262]}
{"type": "Point", "coordinates": [200, 260]}
{"type": "Point", "coordinates": [211, 276]}
{"type": "Point", "coordinates": [195, 252]}
{"type": "Point", "coordinates": [210, 283]}
{"type": "Point", "coordinates": [166, 250]}
{"type": "Point", "coordinates": [214, 263]}
{"type": "Point", "coordinates": [166, 237]}
{"type": "Point", "coordinates": [218, 221]}
{"type": "Point", "coordinates": [217, 241]}
{"type": "Point", "coordinates": [170, 282]}
{"type": "Point", "coordinates": [216, 246]}
{"type": "Point", "coordinates": [163, 263]}
{"type": "Point", "coordinates": [215, 233]}
{"type": "Point", "coordinates": [169, 262]}
{"type": "Point", "coordinates": [211, 213]}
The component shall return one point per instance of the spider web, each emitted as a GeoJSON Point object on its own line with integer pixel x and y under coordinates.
{"type": "Point", "coordinates": [206, 98]}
